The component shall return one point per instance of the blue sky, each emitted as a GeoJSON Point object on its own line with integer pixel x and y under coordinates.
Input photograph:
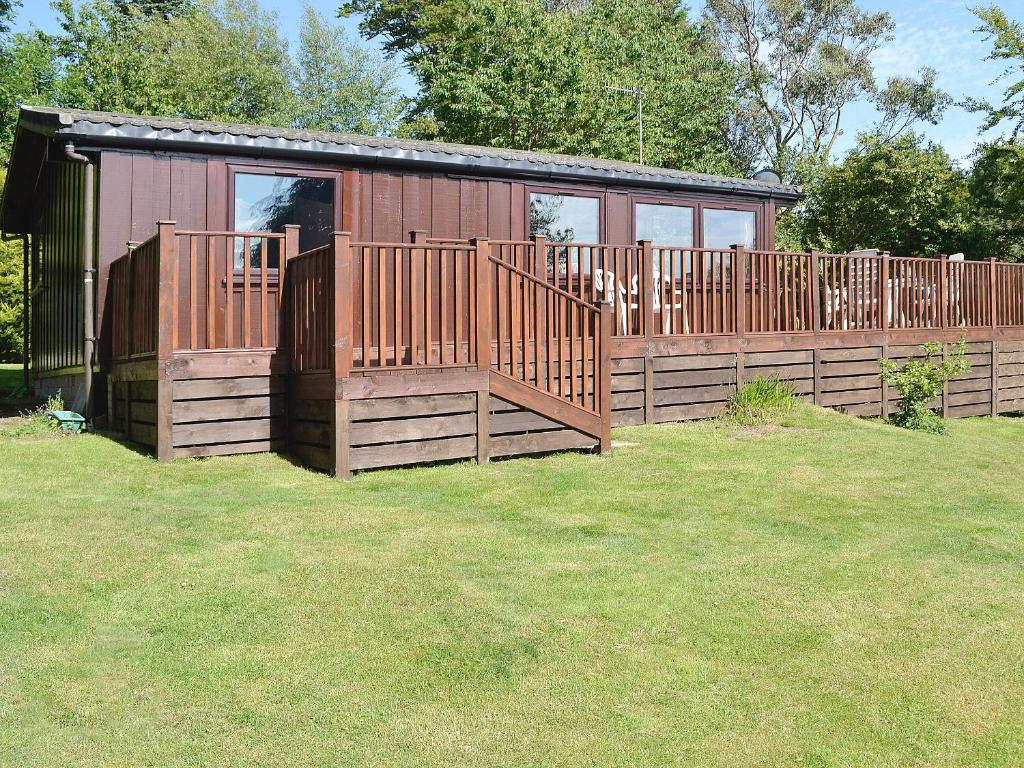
{"type": "Point", "coordinates": [936, 33]}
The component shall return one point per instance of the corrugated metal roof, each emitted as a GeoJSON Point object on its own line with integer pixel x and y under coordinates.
{"type": "Point", "coordinates": [113, 128]}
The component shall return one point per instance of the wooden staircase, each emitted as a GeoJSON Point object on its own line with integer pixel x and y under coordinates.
{"type": "Point", "coordinates": [549, 351]}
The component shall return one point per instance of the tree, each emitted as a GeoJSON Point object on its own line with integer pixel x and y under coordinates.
{"type": "Point", "coordinates": [904, 196]}
{"type": "Point", "coordinates": [342, 86]}
{"type": "Point", "coordinates": [1007, 38]}
{"type": "Point", "coordinates": [226, 61]}
{"type": "Point", "coordinates": [529, 74]}
{"type": "Point", "coordinates": [10, 296]}
{"type": "Point", "coordinates": [996, 186]}
{"type": "Point", "coordinates": [802, 62]}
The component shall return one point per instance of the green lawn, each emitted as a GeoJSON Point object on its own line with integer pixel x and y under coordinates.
{"type": "Point", "coordinates": [10, 378]}
{"type": "Point", "coordinates": [835, 593]}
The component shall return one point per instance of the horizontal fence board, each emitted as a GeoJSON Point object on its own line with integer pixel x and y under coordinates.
{"type": "Point", "coordinates": [242, 386]}
{"type": "Point", "coordinates": [784, 372]}
{"type": "Point", "coordinates": [628, 418]}
{"type": "Point", "coordinates": [969, 398]}
{"type": "Point", "coordinates": [976, 384]}
{"type": "Point", "coordinates": [398, 430]}
{"type": "Point", "coordinates": [862, 409]}
{"type": "Point", "coordinates": [979, 409]}
{"type": "Point", "coordinates": [686, 395]}
{"type": "Point", "coordinates": [755, 359]}
{"type": "Point", "coordinates": [850, 382]}
{"type": "Point", "coordinates": [851, 368]}
{"type": "Point", "coordinates": [627, 382]}
{"type": "Point", "coordinates": [185, 411]}
{"type": "Point", "coordinates": [853, 354]}
{"type": "Point", "coordinates": [850, 397]}
{"type": "Point", "coordinates": [622, 400]}
{"type": "Point", "coordinates": [701, 377]}
{"type": "Point", "coordinates": [211, 432]}
{"type": "Point", "coordinates": [230, 449]}
{"type": "Point", "coordinates": [627, 365]}
{"type": "Point", "coordinates": [506, 422]}
{"type": "Point", "coordinates": [419, 452]}
{"type": "Point", "coordinates": [694, 362]}
{"type": "Point", "coordinates": [687, 412]}
{"type": "Point", "coordinates": [540, 442]}
{"type": "Point", "coordinates": [397, 407]}
{"type": "Point", "coordinates": [143, 412]}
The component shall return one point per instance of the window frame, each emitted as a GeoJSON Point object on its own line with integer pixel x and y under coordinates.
{"type": "Point", "coordinates": [234, 169]}
{"type": "Point", "coordinates": [693, 205]}
{"type": "Point", "coordinates": [699, 205]}
{"type": "Point", "coordinates": [543, 189]}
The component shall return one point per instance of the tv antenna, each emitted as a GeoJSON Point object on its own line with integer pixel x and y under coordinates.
{"type": "Point", "coordinates": [638, 94]}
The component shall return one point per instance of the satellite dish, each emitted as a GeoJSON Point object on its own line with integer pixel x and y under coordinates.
{"type": "Point", "coordinates": [767, 175]}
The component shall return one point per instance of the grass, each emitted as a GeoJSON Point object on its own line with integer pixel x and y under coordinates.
{"type": "Point", "coordinates": [10, 378]}
{"type": "Point", "coordinates": [837, 592]}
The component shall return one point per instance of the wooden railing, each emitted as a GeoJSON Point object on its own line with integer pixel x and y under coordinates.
{"type": "Point", "coordinates": [1009, 280]}
{"type": "Point", "coordinates": [229, 288]}
{"type": "Point", "coordinates": [310, 302]}
{"type": "Point", "coordinates": [134, 298]}
{"type": "Point", "coordinates": [221, 291]}
{"type": "Point", "coordinates": [413, 305]}
{"type": "Point", "coordinates": [546, 337]}
{"type": "Point", "coordinates": [851, 293]}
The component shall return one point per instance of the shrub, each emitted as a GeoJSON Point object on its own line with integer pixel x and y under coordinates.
{"type": "Point", "coordinates": [760, 401]}
{"type": "Point", "coordinates": [920, 382]}
{"type": "Point", "coordinates": [37, 421]}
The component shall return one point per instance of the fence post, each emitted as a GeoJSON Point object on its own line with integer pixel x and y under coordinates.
{"type": "Point", "coordinates": [943, 291]}
{"type": "Point", "coordinates": [167, 333]}
{"type": "Point", "coordinates": [740, 295]}
{"type": "Point", "coordinates": [606, 318]}
{"type": "Point", "coordinates": [483, 309]}
{"type": "Point", "coordinates": [993, 324]}
{"type": "Point", "coordinates": [418, 236]}
{"type": "Point", "coordinates": [540, 258]}
{"type": "Point", "coordinates": [812, 254]}
{"type": "Point", "coordinates": [645, 301]}
{"type": "Point", "coordinates": [884, 300]}
{"type": "Point", "coordinates": [993, 304]}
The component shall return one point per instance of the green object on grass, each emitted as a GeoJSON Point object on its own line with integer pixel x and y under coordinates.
{"type": "Point", "coordinates": [69, 421]}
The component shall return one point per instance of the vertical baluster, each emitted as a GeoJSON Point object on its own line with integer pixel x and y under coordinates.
{"type": "Point", "coordinates": [399, 299]}
{"type": "Point", "coordinates": [428, 314]}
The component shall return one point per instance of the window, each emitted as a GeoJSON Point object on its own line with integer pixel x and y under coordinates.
{"type": "Point", "coordinates": [669, 225]}
{"type": "Point", "coordinates": [724, 228]}
{"type": "Point", "coordinates": [266, 202]}
{"type": "Point", "coordinates": [565, 218]}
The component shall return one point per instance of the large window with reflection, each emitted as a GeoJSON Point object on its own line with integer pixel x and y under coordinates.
{"type": "Point", "coordinates": [724, 228]}
{"type": "Point", "coordinates": [668, 225]}
{"type": "Point", "coordinates": [565, 218]}
{"type": "Point", "coordinates": [265, 202]}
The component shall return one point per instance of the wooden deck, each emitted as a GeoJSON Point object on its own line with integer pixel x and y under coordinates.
{"type": "Point", "coordinates": [363, 355]}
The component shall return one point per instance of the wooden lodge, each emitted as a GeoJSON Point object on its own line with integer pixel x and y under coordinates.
{"type": "Point", "coordinates": [361, 302]}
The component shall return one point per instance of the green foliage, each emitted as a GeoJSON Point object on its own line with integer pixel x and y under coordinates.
{"type": "Point", "coordinates": [1007, 38]}
{"type": "Point", "coordinates": [532, 75]}
{"type": "Point", "coordinates": [37, 422]}
{"type": "Point", "coordinates": [996, 186]}
{"type": "Point", "coordinates": [763, 400]}
{"type": "Point", "coordinates": [11, 285]}
{"type": "Point", "coordinates": [921, 381]}
{"type": "Point", "coordinates": [342, 86]}
{"type": "Point", "coordinates": [801, 62]}
{"type": "Point", "coordinates": [903, 196]}
{"type": "Point", "coordinates": [203, 59]}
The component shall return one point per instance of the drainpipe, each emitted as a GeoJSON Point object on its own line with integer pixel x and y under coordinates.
{"type": "Point", "coordinates": [88, 271]}
{"type": "Point", "coordinates": [24, 305]}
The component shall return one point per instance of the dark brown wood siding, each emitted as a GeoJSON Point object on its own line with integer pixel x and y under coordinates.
{"type": "Point", "coordinates": [57, 295]}
{"type": "Point", "coordinates": [136, 190]}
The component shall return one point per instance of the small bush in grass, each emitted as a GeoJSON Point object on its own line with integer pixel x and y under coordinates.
{"type": "Point", "coordinates": [763, 400]}
{"type": "Point", "coordinates": [38, 421]}
{"type": "Point", "coordinates": [920, 382]}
